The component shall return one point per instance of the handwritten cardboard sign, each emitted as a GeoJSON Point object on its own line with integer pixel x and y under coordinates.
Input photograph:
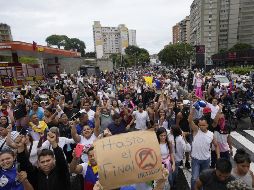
{"type": "Point", "coordinates": [128, 158]}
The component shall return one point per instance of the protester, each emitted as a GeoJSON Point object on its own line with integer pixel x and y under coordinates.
{"type": "Point", "coordinates": [10, 178]}
{"type": "Point", "coordinates": [202, 139]}
{"type": "Point", "coordinates": [52, 172]}
{"type": "Point", "coordinates": [215, 178]}
{"type": "Point", "coordinates": [242, 170]}
{"type": "Point", "coordinates": [89, 170]}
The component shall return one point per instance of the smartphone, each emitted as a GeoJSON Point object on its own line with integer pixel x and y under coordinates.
{"type": "Point", "coordinates": [79, 150]}
{"type": "Point", "coordinates": [18, 167]}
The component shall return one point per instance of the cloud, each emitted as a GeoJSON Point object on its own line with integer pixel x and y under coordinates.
{"type": "Point", "coordinates": [35, 20]}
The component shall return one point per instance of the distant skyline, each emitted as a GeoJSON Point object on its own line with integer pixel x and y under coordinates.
{"type": "Point", "coordinates": [152, 19]}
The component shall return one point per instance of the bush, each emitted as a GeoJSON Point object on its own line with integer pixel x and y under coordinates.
{"type": "Point", "coordinates": [241, 70]}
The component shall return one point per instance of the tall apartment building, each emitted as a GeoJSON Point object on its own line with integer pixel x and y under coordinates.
{"type": "Point", "coordinates": [109, 40]}
{"type": "Point", "coordinates": [241, 22]}
{"type": "Point", "coordinates": [176, 33]}
{"type": "Point", "coordinates": [5, 33]}
{"type": "Point", "coordinates": [220, 24]}
{"type": "Point", "coordinates": [181, 31]}
{"type": "Point", "coordinates": [204, 26]}
{"type": "Point", "coordinates": [185, 30]}
{"type": "Point", "coordinates": [132, 37]}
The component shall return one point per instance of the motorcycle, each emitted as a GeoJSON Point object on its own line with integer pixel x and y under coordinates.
{"type": "Point", "coordinates": [230, 116]}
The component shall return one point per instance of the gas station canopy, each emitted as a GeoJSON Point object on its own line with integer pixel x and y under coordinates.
{"type": "Point", "coordinates": [23, 49]}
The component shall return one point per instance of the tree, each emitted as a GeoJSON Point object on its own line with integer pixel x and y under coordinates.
{"type": "Point", "coordinates": [240, 47]}
{"type": "Point", "coordinates": [57, 40]}
{"type": "Point", "coordinates": [176, 54]}
{"type": "Point", "coordinates": [67, 43]}
{"type": "Point", "coordinates": [90, 55]}
{"type": "Point", "coordinates": [75, 44]}
{"type": "Point", "coordinates": [136, 55]}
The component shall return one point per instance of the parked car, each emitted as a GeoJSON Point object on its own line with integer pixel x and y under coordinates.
{"type": "Point", "coordinates": [222, 79]}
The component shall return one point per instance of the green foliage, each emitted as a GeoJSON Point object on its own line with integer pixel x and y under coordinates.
{"type": "Point", "coordinates": [176, 54]}
{"type": "Point", "coordinates": [241, 70]}
{"type": "Point", "coordinates": [135, 55]}
{"type": "Point", "coordinates": [67, 43]}
{"type": "Point", "coordinates": [57, 40]}
{"type": "Point", "coordinates": [28, 60]}
{"type": "Point", "coordinates": [90, 55]}
{"type": "Point", "coordinates": [240, 47]}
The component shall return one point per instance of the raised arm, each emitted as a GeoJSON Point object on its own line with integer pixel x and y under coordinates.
{"type": "Point", "coordinates": [97, 122]}
{"type": "Point", "coordinates": [74, 133]}
{"type": "Point", "coordinates": [74, 165]}
{"type": "Point", "coordinates": [193, 126]}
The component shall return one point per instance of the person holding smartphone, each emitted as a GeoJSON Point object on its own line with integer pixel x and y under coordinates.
{"type": "Point", "coordinates": [10, 176]}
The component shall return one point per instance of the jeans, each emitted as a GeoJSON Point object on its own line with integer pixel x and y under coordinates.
{"type": "Point", "coordinates": [197, 167]}
{"type": "Point", "coordinates": [172, 176]}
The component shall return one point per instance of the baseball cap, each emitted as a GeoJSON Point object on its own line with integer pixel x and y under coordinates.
{"type": "Point", "coordinates": [186, 102]}
{"type": "Point", "coordinates": [207, 110]}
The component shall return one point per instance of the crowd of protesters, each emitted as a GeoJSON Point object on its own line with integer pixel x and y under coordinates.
{"type": "Point", "coordinates": [40, 126]}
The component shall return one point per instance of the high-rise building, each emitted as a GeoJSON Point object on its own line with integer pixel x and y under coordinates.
{"type": "Point", "coordinates": [220, 24]}
{"type": "Point", "coordinates": [204, 22]}
{"type": "Point", "coordinates": [110, 40]}
{"type": "Point", "coordinates": [184, 26]}
{"type": "Point", "coordinates": [176, 33]}
{"type": "Point", "coordinates": [241, 22]}
{"type": "Point", "coordinates": [132, 38]}
{"type": "Point", "coordinates": [5, 33]}
{"type": "Point", "coordinates": [181, 31]}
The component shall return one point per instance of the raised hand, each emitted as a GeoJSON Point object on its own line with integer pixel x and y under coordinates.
{"type": "Point", "coordinates": [22, 176]}
{"type": "Point", "coordinates": [52, 138]}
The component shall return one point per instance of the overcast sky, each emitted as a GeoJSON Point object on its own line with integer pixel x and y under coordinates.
{"type": "Point", "coordinates": [34, 20]}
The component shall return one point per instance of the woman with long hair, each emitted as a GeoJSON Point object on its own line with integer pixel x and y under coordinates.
{"type": "Point", "coordinates": [180, 146]}
{"type": "Point", "coordinates": [242, 169]}
{"type": "Point", "coordinates": [166, 150]}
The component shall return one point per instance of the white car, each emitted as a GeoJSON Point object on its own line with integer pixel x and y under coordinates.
{"type": "Point", "coordinates": [222, 79]}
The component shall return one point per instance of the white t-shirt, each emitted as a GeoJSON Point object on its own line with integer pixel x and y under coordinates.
{"type": "Point", "coordinates": [141, 119]}
{"type": "Point", "coordinates": [34, 153]}
{"type": "Point", "coordinates": [201, 145]}
{"type": "Point", "coordinates": [90, 114]}
{"type": "Point", "coordinates": [214, 109]}
{"type": "Point", "coordinates": [87, 142]}
{"type": "Point", "coordinates": [62, 141]}
{"type": "Point", "coordinates": [164, 151]}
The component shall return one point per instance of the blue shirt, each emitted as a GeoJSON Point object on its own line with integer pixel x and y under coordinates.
{"type": "Point", "coordinates": [117, 129]}
{"type": "Point", "coordinates": [8, 180]}
{"type": "Point", "coordinates": [79, 127]}
{"type": "Point", "coordinates": [39, 113]}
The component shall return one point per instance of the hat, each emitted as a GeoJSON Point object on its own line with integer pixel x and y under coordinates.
{"type": "Point", "coordinates": [186, 102]}
{"type": "Point", "coordinates": [69, 102]}
{"type": "Point", "coordinates": [207, 110]}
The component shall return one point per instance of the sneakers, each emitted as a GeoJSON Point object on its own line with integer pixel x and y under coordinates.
{"type": "Point", "coordinates": [187, 165]}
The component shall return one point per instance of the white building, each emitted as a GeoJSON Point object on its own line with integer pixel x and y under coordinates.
{"type": "Point", "coordinates": [110, 40]}
{"type": "Point", "coordinates": [132, 38]}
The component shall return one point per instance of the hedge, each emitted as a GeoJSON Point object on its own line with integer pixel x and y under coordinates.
{"type": "Point", "coordinates": [241, 70]}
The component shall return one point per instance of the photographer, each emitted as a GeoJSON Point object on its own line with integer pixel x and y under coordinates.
{"type": "Point", "coordinates": [52, 172]}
